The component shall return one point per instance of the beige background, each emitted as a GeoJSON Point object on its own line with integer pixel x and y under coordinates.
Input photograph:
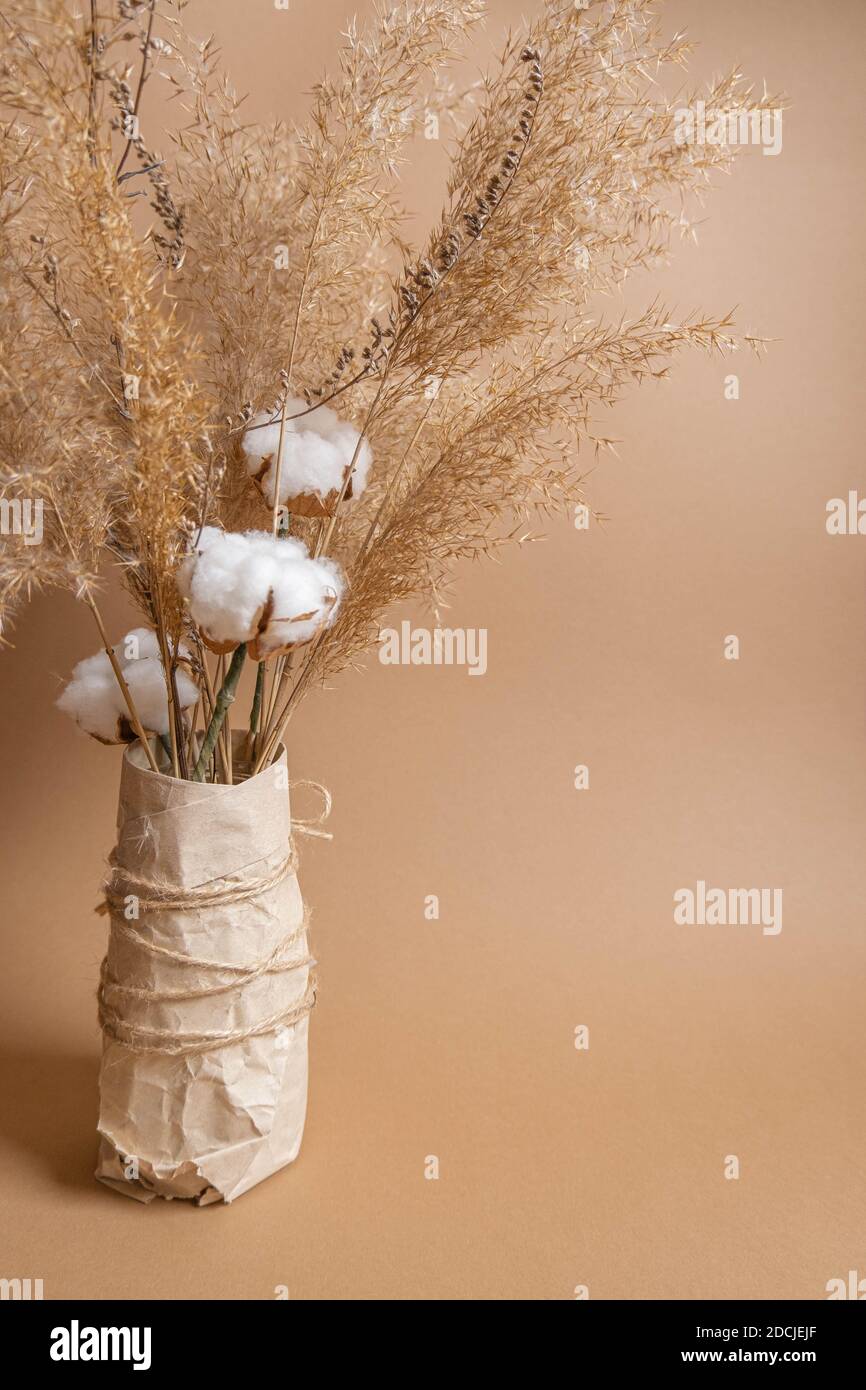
{"type": "Point", "coordinates": [455, 1038]}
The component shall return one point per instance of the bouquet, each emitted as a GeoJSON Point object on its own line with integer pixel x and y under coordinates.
{"type": "Point", "coordinates": [228, 380]}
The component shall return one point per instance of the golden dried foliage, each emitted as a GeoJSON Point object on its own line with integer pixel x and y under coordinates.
{"type": "Point", "coordinates": [135, 356]}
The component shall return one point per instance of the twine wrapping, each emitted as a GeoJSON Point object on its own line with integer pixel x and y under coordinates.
{"type": "Point", "coordinates": [141, 1039]}
{"type": "Point", "coordinates": [274, 964]}
{"type": "Point", "coordinates": [150, 897]}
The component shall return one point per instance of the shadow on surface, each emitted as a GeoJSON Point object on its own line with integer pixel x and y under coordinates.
{"type": "Point", "coordinates": [48, 1111]}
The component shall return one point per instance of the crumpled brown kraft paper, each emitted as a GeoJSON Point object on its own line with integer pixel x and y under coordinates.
{"type": "Point", "coordinates": [206, 1125]}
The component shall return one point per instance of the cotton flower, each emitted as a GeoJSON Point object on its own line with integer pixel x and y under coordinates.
{"type": "Point", "coordinates": [252, 588]}
{"type": "Point", "coordinates": [317, 450]}
{"type": "Point", "coordinates": [93, 697]}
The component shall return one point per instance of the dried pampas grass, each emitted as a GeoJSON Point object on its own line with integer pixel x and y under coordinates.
{"type": "Point", "coordinates": [271, 351]}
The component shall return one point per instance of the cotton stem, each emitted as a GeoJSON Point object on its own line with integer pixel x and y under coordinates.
{"type": "Point", "coordinates": [224, 700]}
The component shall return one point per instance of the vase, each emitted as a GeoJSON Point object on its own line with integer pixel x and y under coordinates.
{"type": "Point", "coordinates": [205, 989]}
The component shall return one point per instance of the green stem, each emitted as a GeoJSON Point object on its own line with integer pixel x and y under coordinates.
{"type": "Point", "coordinates": [226, 696]}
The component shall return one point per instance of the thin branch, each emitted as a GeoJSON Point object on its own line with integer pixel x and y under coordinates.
{"type": "Point", "coordinates": [142, 78]}
{"type": "Point", "coordinates": [88, 598]}
{"type": "Point", "coordinates": [91, 86]}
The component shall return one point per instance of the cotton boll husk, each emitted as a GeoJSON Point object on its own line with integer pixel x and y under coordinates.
{"type": "Point", "coordinates": [317, 450]}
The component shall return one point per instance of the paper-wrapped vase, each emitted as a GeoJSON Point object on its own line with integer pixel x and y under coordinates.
{"type": "Point", "coordinates": [206, 988]}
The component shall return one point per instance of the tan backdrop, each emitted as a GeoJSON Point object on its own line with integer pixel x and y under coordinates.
{"type": "Point", "coordinates": [558, 1167]}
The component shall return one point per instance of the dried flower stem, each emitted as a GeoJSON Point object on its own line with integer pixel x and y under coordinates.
{"type": "Point", "coordinates": [71, 339]}
{"type": "Point", "coordinates": [85, 593]}
{"type": "Point", "coordinates": [278, 468]}
{"type": "Point", "coordinates": [276, 737]}
{"type": "Point", "coordinates": [325, 535]}
{"type": "Point", "coordinates": [273, 733]}
{"type": "Point", "coordinates": [178, 719]}
{"type": "Point", "coordinates": [226, 731]}
{"type": "Point", "coordinates": [392, 483]}
{"type": "Point", "coordinates": [256, 710]}
{"type": "Point", "coordinates": [91, 88]}
{"type": "Point", "coordinates": [191, 751]}
{"type": "Point", "coordinates": [167, 676]}
{"type": "Point", "coordinates": [118, 674]}
{"type": "Point", "coordinates": [142, 78]}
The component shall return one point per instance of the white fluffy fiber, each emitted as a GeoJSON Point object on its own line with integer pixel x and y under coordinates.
{"type": "Point", "coordinates": [317, 450]}
{"type": "Point", "coordinates": [252, 588]}
{"type": "Point", "coordinates": [93, 697]}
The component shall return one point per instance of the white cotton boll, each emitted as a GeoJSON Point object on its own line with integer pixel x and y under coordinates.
{"type": "Point", "coordinates": [140, 643]}
{"type": "Point", "coordinates": [263, 543]}
{"type": "Point", "coordinates": [306, 597]}
{"type": "Point", "coordinates": [227, 585]}
{"type": "Point", "coordinates": [261, 590]}
{"type": "Point", "coordinates": [333, 584]}
{"type": "Point", "coordinates": [91, 699]}
{"type": "Point", "coordinates": [317, 450]}
{"type": "Point", "coordinates": [96, 665]}
{"type": "Point", "coordinates": [94, 699]}
{"type": "Point", "coordinates": [187, 690]}
{"type": "Point", "coordinates": [208, 536]}
{"type": "Point", "coordinates": [147, 687]}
